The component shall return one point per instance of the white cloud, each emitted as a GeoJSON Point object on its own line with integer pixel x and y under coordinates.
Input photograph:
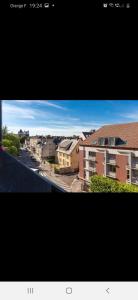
{"type": "Point", "coordinates": [133, 116]}
{"type": "Point", "coordinates": [41, 102]}
{"type": "Point", "coordinates": [14, 112]}
{"type": "Point", "coordinates": [17, 112]}
{"type": "Point", "coordinates": [66, 130]}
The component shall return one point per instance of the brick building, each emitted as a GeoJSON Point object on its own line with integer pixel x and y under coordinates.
{"type": "Point", "coordinates": [112, 151]}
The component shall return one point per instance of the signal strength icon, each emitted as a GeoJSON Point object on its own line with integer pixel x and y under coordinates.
{"type": "Point", "coordinates": [30, 291]}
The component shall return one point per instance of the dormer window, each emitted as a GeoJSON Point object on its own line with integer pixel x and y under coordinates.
{"type": "Point", "coordinates": [103, 141]}
{"type": "Point", "coordinates": [94, 142]}
{"type": "Point", "coordinates": [116, 141]}
{"type": "Point", "coordinates": [111, 141]}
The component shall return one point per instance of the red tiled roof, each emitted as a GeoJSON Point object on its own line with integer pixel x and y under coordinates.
{"type": "Point", "coordinates": [127, 132]}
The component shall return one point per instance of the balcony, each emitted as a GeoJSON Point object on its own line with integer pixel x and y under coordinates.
{"type": "Point", "coordinates": [111, 161]}
{"type": "Point", "coordinates": [92, 158]}
{"type": "Point", "coordinates": [133, 167]}
{"type": "Point", "coordinates": [111, 174]}
{"type": "Point", "coordinates": [134, 180]}
{"type": "Point", "coordinates": [92, 169]}
{"type": "Point", "coordinates": [15, 177]}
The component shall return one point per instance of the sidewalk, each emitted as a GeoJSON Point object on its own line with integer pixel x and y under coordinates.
{"type": "Point", "coordinates": [56, 180]}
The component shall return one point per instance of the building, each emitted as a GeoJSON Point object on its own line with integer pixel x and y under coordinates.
{"type": "Point", "coordinates": [68, 155]}
{"type": "Point", "coordinates": [84, 135]}
{"type": "Point", "coordinates": [22, 133]}
{"type": "Point", "coordinates": [112, 151]}
{"type": "Point", "coordinates": [32, 145]}
{"type": "Point", "coordinates": [44, 147]}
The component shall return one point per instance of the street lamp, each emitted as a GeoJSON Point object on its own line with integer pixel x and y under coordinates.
{"type": "Point", "coordinates": [0, 123]}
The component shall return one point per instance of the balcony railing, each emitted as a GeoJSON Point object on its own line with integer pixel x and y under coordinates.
{"type": "Point", "coordinates": [111, 161]}
{"type": "Point", "coordinates": [111, 174]}
{"type": "Point", "coordinates": [16, 177]}
{"type": "Point", "coordinates": [134, 180]}
{"type": "Point", "coordinates": [92, 158]}
{"type": "Point", "coordinates": [93, 169]}
{"type": "Point", "coordinates": [133, 166]}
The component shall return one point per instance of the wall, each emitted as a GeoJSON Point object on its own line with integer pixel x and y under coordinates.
{"type": "Point", "coordinates": [121, 172]}
{"type": "Point", "coordinates": [81, 163]}
{"type": "Point", "coordinates": [49, 149]}
{"type": "Point", "coordinates": [99, 163]}
{"type": "Point", "coordinates": [75, 158]}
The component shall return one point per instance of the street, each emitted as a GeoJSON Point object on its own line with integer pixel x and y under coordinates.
{"type": "Point", "coordinates": [63, 181]}
{"type": "Point", "coordinates": [25, 158]}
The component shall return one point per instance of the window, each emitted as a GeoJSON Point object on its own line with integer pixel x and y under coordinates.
{"type": "Point", "coordinates": [67, 164]}
{"type": "Point", "coordinates": [103, 141]}
{"type": "Point", "coordinates": [91, 164]}
{"type": "Point", "coordinates": [112, 156]}
{"type": "Point", "coordinates": [94, 142]}
{"type": "Point", "coordinates": [111, 141]}
{"type": "Point", "coordinates": [128, 174]}
{"type": "Point", "coordinates": [92, 153]}
{"type": "Point", "coordinates": [115, 141]}
{"type": "Point", "coordinates": [112, 169]}
{"type": "Point", "coordinates": [135, 173]}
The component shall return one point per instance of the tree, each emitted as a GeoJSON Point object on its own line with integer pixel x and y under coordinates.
{"type": "Point", "coordinates": [15, 140]}
{"type": "Point", "coordinates": [11, 142]}
{"type": "Point", "coordinates": [7, 143]}
{"type": "Point", "coordinates": [4, 131]}
{"type": "Point", "coordinates": [100, 184]}
{"type": "Point", "coordinates": [22, 140]}
{"type": "Point", "coordinates": [13, 151]}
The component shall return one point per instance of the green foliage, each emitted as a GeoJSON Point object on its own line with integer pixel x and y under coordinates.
{"type": "Point", "coordinates": [6, 143]}
{"type": "Point", "coordinates": [51, 160]}
{"type": "Point", "coordinates": [56, 170]}
{"type": "Point", "coordinates": [11, 142]}
{"type": "Point", "coordinates": [22, 139]}
{"type": "Point", "coordinates": [15, 140]}
{"type": "Point", "coordinates": [12, 150]}
{"type": "Point", "coordinates": [100, 184]}
{"type": "Point", "coordinates": [4, 131]}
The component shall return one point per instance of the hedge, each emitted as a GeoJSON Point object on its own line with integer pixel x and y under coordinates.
{"type": "Point", "coordinates": [100, 184]}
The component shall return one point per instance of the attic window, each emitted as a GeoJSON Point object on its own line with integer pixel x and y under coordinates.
{"type": "Point", "coordinates": [111, 141]}
{"type": "Point", "coordinates": [116, 141]}
{"type": "Point", "coordinates": [103, 141]}
{"type": "Point", "coordinates": [119, 142]}
{"type": "Point", "coordinates": [94, 142]}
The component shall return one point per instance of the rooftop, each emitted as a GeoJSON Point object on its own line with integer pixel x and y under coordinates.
{"type": "Point", "coordinates": [17, 178]}
{"type": "Point", "coordinates": [67, 146]}
{"type": "Point", "coordinates": [87, 134]}
{"type": "Point", "coordinates": [127, 132]}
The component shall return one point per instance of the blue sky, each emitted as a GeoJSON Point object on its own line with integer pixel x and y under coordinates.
{"type": "Point", "coordinates": [66, 117]}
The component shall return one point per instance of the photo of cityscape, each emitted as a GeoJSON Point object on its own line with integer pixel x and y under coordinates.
{"type": "Point", "coordinates": [73, 146]}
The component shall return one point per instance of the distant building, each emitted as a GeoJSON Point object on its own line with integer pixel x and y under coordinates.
{"type": "Point", "coordinates": [68, 154]}
{"type": "Point", "coordinates": [22, 133]}
{"type": "Point", "coordinates": [44, 147]}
